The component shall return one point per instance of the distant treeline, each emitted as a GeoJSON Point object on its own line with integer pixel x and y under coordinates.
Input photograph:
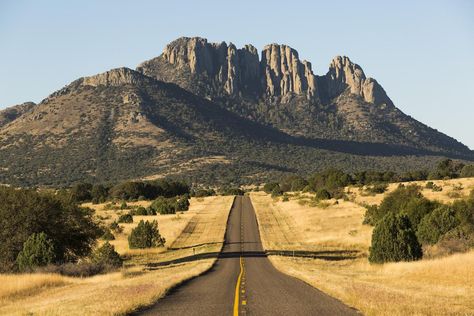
{"type": "Point", "coordinates": [331, 181]}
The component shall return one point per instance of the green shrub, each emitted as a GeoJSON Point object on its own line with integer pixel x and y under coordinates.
{"type": "Point", "coordinates": [108, 235]}
{"type": "Point", "coordinates": [270, 186]}
{"type": "Point", "coordinates": [467, 171]}
{"type": "Point", "coordinates": [277, 191]}
{"type": "Point", "coordinates": [125, 218]}
{"type": "Point", "coordinates": [323, 194]}
{"type": "Point", "coordinates": [433, 226]}
{"type": "Point", "coordinates": [140, 211]}
{"type": "Point", "coordinates": [393, 239]}
{"type": "Point", "coordinates": [116, 227]}
{"type": "Point", "coordinates": [37, 251]}
{"type": "Point", "coordinates": [106, 255]}
{"type": "Point", "coordinates": [182, 204]}
{"type": "Point", "coordinates": [377, 188]}
{"type": "Point", "coordinates": [124, 205]}
{"type": "Point", "coordinates": [145, 235]}
{"type": "Point", "coordinates": [164, 205]}
{"type": "Point", "coordinates": [72, 229]}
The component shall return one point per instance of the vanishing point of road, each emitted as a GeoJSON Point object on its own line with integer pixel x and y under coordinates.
{"type": "Point", "coordinates": [244, 282]}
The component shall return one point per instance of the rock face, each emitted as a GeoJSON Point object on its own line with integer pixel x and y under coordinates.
{"type": "Point", "coordinates": [284, 74]}
{"type": "Point", "coordinates": [12, 113]}
{"type": "Point", "coordinates": [279, 73]}
{"type": "Point", "coordinates": [344, 74]}
{"type": "Point", "coordinates": [115, 77]}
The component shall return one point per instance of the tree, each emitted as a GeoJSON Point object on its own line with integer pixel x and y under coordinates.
{"type": "Point", "coordinates": [37, 251]}
{"type": "Point", "coordinates": [323, 194]}
{"type": "Point", "coordinates": [433, 226]}
{"type": "Point", "coordinates": [125, 218]}
{"type": "Point", "coordinates": [393, 239]}
{"type": "Point", "coordinates": [71, 228]}
{"type": "Point", "coordinates": [467, 171]}
{"type": "Point", "coordinates": [145, 235]}
{"type": "Point", "coordinates": [81, 192]}
{"type": "Point", "coordinates": [107, 255]}
{"type": "Point", "coordinates": [182, 204]}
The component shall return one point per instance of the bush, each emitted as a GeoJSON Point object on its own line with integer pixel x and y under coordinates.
{"type": "Point", "coordinates": [393, 239]}
{"type": "Point", "coordinates": [108, 235]}
{"type": "Point", "coordinates": [433, 226]}
{"type": "Point", "coordinates": [71, 229]}
{"type": "Point", "coordinates": [125, 218]}
{"type": "Point", "coordinates": [124, 205]}
{"type": "Point", "coordinates": [277, 191]}
{"type": "Point", "coordinates": [164, 205]}
{"type": "Point", "coordinates": [377, 188]}
{"type": "Point", "coordinates": [145, 235]}
{"type": "Point", "coordinates": [141, 211]}
{"type": "Point", "coordinates": [37, 251]}
{"type": "Point", "coordinates": [467, 171]}
{"type": "Point", "coordinates": [323, 194]}
{"type": "Point", "coordinates": [116, 227]}
{"type": "Point", "coordinates": [106, 255]}
{"type": "Point", "coordinates": [182, 204]}
{"type": "Point", "coordinates": [270, 186]}
{"type": "Point", "coordinates": [79, 270]}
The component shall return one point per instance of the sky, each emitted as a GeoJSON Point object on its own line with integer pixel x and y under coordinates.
{"type": "Point", "coordinates": [421, 52]}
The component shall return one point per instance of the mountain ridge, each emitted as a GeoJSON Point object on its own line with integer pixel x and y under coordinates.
{"type": "Point", "coordinates": [230, 120]}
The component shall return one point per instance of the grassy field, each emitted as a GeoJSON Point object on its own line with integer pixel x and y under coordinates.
{"type": "Point", "coordinates": [134, 286]}
{"type": "Point", "coordinates": [440, 286]}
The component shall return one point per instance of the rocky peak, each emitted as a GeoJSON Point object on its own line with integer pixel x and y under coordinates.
{"type": "Point", "coordinates": [284, 73]}
{"type": "Point", "coordinates": [344, 74]}
{"type": "Point", "coordinates": [115, 77]}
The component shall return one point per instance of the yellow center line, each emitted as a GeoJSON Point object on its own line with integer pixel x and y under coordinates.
{"type": "Point", "coordinates": [237, 287]}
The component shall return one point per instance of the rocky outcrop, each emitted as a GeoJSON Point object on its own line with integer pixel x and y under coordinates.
{"type": "Point", "coordinates": [285, 74]}
{"type": "Point", "coordinates": [222, 69]}
{"type": "Point", "coordinates": [12, 113]}
{"type": "Point", "coordinates": [344, 74]}
{"type": "Point", "coordinates": [115, 77]}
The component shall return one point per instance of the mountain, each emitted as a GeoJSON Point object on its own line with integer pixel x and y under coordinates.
{"type": "Point", "coordinates": [214, 114]}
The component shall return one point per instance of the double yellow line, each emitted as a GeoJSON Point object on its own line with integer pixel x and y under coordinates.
{"type": "Point", "coordinates": [237, 289]}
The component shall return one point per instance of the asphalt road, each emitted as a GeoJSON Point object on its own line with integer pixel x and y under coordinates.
{"type": "Point", "coordinates": [244, 282]}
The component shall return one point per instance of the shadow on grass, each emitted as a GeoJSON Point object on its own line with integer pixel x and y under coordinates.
{"type": "Point", "coordinates": [331, 255]}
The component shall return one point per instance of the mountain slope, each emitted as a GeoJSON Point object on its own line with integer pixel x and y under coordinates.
{"type": "Point", "coordinates": [218, 115]}
{"type": "Point", "coordinates": [281, 90]}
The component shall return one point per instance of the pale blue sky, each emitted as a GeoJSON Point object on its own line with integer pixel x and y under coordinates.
{"type": "Point", "coordinates": [422, 52]}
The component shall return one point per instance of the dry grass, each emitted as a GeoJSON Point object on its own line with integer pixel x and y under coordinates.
{"type": "Point", "coordinates": [294, 225]}
{"type": "Point", "coordinates": [111, 294]}
{"type": "Point", "coordinates": [122, 292]}
{"type": "Point", "coordinates": [442, 286]}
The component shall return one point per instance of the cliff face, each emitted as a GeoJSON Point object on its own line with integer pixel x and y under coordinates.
{"type": "Point", "coordinates": [344, 75]}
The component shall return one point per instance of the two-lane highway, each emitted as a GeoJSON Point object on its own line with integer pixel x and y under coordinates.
{"type": "Point", "coordinates": [244, 282]}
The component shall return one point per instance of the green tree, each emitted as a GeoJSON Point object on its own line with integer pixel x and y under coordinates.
{"type": "Point", "coordinates": [182, 204]}
{"type": "Point", "coordinates": [393, 239]}
{"type": "Point", "coordinates": [433, 226]}
{"type": "Point", "coordinates": [125, 218]}
{"type": "Point", "coordinates": [467, 171]}
{"type": "Point", "coordinates": [37, 251]}
{"type": "Point", "coordinates": [107, 255]}
{"type": "Point", "coordinates": [145, 235]}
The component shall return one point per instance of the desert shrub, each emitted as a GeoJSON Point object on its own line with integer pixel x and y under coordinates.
{"type": "Point", "coordinates": [182, 204]}
{"type": "Point", "coordinates": [393, 239]}
{"type": "Point", "coordinates": [108, 235]}
{"type": "Point", "coordinates": [106, 255]}
{"type": "Point", "coordinates": [164, 205]}
{"type": "Point", "coordinates": [37, 251]}
{"type": "Point", "coordinates": [124, 205]}
{"type": "Point", "coordinates": [323, 194]}
{"type": "Point", "coordinates": [116, 227]}
{"type": "Point", "coordinates": [377, 188]}
{"type": "Point", "coordinates": [394, 202]}
{"type": "Point", "coordinates": [454, 195]}
{"type": "Point", "coordinates": [285, 198]}
{"type": "Point", "coordinates": [202, 192]}
{"type": "Point", "coordinates": [276, 191]}
{"type": "Point", "coordinates": [467, 171]}
{"type": "Point", "coordinates": [125, 218]}
{"type": "Point", "coordinates": [431, 185]}
{"type": "Point", "coordinates": [81, 192]}
{"type": "Point", "coordinates": [141, 211]}
{"type": "Point", "coordinates": [145, 235]}
{"type": "Point", "coordinates": [71, 229]}
{"type": "Point", "coordinates": [270, 186]}
{"type": "Point", "coordinates": [436, 224]}
{"type": "Point", "coordinates": [416, 209]}
{"type": "Point", "coordinates": [79, 270]}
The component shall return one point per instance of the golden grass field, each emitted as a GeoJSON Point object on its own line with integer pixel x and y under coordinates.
{"type": "Point", "coordinates": [119, 293]}
{"type": "Point", "coordinates": [440, 286]}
